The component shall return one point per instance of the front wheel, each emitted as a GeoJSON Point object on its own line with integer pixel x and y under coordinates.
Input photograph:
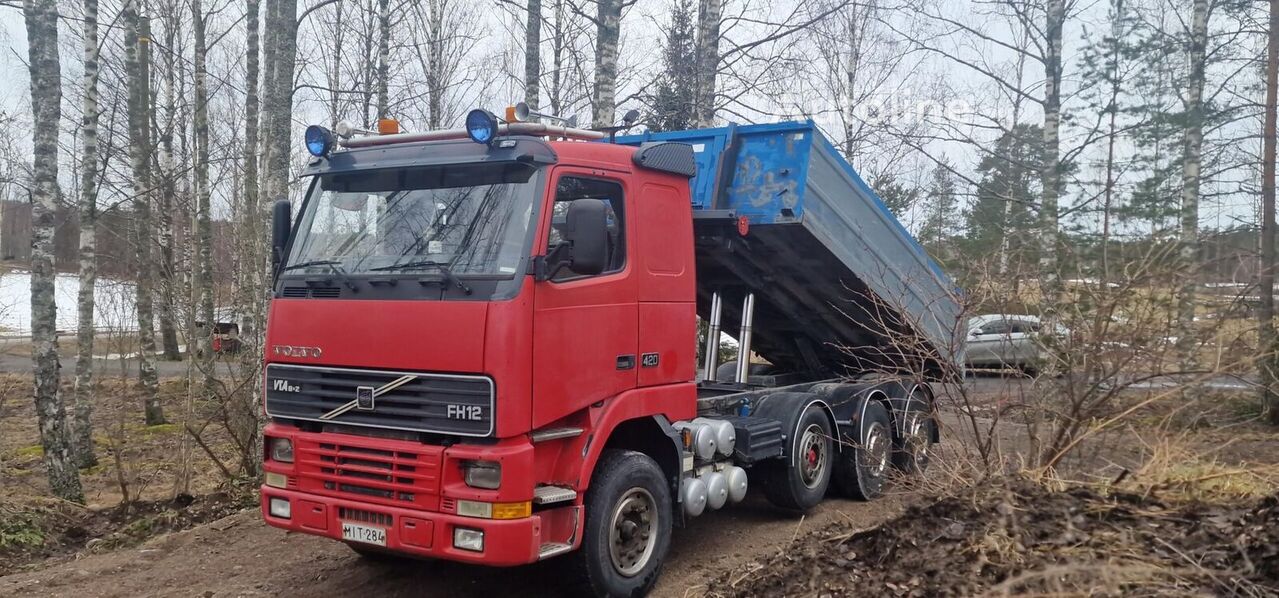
{"type": "Point", "coordinates": [628, 526]}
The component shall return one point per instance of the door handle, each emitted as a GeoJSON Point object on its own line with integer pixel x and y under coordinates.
{"type": "Point", "coordinates": [625, 362]}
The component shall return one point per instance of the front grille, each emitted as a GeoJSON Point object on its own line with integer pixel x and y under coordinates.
{"type": "Point", "coordinates": [350, 469]}
{"type": "Point", "coordinates": [417, 402]}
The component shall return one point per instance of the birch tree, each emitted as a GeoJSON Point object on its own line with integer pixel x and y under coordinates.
{"type": "Point", "coordinates": [1051, 167]}
{"type": "Point", "coordinates": [608, 23]}
{"type": "Point", "coordinates": [708, 22]}
{"type": "Point", "coordinates": [533, 53]}
{"type": "Point", "coordinates": [137, 67]}
{"type": "Point", "coordinates": [88, 216]}
{"type": "Point", "coordinates": [1192, 157]}
{"type": "Point", "coordinates": [41, 18]}
{"type": "Point", "coordinates": [1268, 361]}
{"type": "Point", "coordinates": [203, 275]}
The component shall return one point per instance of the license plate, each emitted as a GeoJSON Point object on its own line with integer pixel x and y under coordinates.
{"type": "Point", "coordinates": [363, 533]}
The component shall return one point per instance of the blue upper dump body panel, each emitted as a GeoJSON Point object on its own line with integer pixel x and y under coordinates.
{"type": "Point", "coordinates": [787, 176]}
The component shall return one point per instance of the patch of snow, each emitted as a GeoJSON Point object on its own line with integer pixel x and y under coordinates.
{"type": "Point", "coordinates": [113, 303]}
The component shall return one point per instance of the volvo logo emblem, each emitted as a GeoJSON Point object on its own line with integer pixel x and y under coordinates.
{"type": "Point", "coordinates": [296, 351]}
{"type": "Point", "coordinates": [365, 395]}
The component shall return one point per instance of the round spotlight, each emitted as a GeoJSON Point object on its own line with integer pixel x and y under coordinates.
{"type": "Point", "coordinates": [481, 126]}
{"type": "Point", "coordinates": [319, 140]}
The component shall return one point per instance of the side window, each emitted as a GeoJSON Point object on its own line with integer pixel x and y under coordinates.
{"type": "Point", "coordinates": [573, 188]}
{"type": "Point", "coordinates": [1000, 327]}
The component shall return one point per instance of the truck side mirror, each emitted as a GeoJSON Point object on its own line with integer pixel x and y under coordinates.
{"type": "Point", "coordinates": [586, 229]}
{"type": "Point", "coordinates": [281, 225]}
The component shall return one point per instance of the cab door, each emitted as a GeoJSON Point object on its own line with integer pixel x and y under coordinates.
{"type": "Point", "coordinates": [585, 328]}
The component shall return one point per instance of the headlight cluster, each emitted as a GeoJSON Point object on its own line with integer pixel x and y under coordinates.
{"type": "Point", "coordinates": [483, 474]}
{"type": "Point", "coordinates": [281, 450]}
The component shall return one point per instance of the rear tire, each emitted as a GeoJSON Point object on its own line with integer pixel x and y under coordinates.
{"type": "Point", "coordinates": [628, 526]}
{"type": "Point", "coordinates": [863, 467]}
{"type": "Point", "coordinates": [913, 450]}
{"type": "Point", "coordinates": [800, 482]}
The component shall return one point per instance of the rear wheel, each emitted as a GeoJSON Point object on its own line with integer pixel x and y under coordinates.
{"type": "Point", "coordinates": [863, 467]}
{"type": "Point", "coordinates": [913, 450]}
{"type": "Point", "coordinates": [800, 482]}
{"type": "Point", "coordinates": [628, 526]}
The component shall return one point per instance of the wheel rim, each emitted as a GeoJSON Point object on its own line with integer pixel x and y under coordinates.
{"type": "Point", "coordinates": [874, 453]}
{"type": "Point", "coordinates": [633, 533]}
{"type": "Point", "coordinates": [917, 439]}
{"type": "Point", "coordinates": [812, 455]}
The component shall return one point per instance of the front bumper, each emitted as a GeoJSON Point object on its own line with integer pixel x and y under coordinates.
{"type": "Point", "coordinates": [420, 533]}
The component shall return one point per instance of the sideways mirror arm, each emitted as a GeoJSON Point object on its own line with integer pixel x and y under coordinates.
{"type": "Point", "coordinates": [545, 267]}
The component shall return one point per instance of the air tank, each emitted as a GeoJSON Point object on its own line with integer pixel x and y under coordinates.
{"type": "Point", "coordinates": [705, 438]}
{"type": "Point", "coordinates": [725, 435]}
{"type": "Point", "coordinates": [693, 492]}
{"type": "Point", "coordinates": [716, 489]}
{"type": "Point", "coordinates": [736, 477]}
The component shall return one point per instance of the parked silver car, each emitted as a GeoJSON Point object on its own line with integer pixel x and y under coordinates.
{"type": "Point", "coordinates": [1005, 341]}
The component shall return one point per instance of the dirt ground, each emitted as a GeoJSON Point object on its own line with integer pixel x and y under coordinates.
{"type": "Point", "coordinates": [1021, 537]}
{"type": "Point", "coordinates": [237, 555]}
{"type": "Point", "coordinates": [240, 556]}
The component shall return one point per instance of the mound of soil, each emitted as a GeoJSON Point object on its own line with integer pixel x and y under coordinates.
{"type": "Point", "coordinates": [1019, 537]}
{"type": "Point", "coordinates": [61, 531]}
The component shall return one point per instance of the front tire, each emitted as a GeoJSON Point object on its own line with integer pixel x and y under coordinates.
{"type": "Point", "coordinates": [628, 526]}
{"type": "Point", "coordinates": [800, 482]}
{"type": "Point", "coordinates": [863, 467]}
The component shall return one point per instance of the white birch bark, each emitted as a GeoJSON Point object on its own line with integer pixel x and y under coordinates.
{"type": "Point", "coordinates": [41, 18]}
{"type": "Point", "coordinates": [203, 226]}
{"type": "Point", "coordinates": [137, 65]}
{"type": "Point", "coordinates": [88, 212]}
{"type": "Point", "coordinates": [1051, 168]}
{"type": "Point", "coordinates": [608, 24]}
{"type": "Point", "coordinates": [1192, 154]}
{"type": "Point", "coordinates": [533, 54]}
{"type": "Point", "coordinates": [708, 21]}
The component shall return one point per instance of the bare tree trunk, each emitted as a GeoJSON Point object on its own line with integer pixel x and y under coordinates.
{"type": "Point", "coordinates": [435, 79]}
{"type": "Point", "coordinates": [1051, 167]}
{"type": "Point", "coordinates": [708, 20]}
{"type": "Point", "coordinates": [164, 217]}
{"type": "Point", "coordinates": [533, 54]}
{"type": "Point", "coordinates": [1192, 148]}
{"type": "Point", "coordinates": [383, 56]}
{"type": "Point", "coordinates": [46, 106]}
{"type": "Point", "coordinates": [252, 261]}
{"type": "Point", "coordinates": [1268, 343]}
{"type": "Point", "coordinates": [281, 59]}
{"type": "Point", "coordinates": [203, 226]}
{"type": "Point", "coordinates": [137, 42]}
{"type": "Point", "coordinates": [84, 453]}
{"type": "Point", "coordinates": [608, 25]}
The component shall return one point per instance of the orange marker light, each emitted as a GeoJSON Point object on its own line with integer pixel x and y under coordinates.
{"type": "Point", "coordinates": [388, 126]}
{"type": "Point", "coordinates": [510, 114]}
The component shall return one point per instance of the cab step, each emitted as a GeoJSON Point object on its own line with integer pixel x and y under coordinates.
{"type": "Point", "coordinates": [545, 495]}
{"type": "Point", "coordinates": [552, 549]}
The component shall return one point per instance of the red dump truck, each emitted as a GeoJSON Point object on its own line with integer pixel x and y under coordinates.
{"type": "Point", "coordinates": [483, 343]}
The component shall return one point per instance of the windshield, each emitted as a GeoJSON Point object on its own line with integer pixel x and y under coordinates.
{"type": "Point", "coordinates": [469, 220]}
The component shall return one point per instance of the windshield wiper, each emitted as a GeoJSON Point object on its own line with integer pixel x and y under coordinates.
{"type": "Point", "coordinates": [442, 267]}
{"type": "Point", "coordinates": [334, 265]}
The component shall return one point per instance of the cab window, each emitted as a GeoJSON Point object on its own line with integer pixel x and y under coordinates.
{"type": "Point", "coordinates": [573, 188]}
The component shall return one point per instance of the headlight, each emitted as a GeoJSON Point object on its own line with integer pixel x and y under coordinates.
{"type": "Point", "coordinates": [280, 508]}
{"type": "Point", "coordinates": [483, 474]}
{"type": "Point", "coordinates": [282, 450]}
{"type": "Point", "coordinates": [468, 539]}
